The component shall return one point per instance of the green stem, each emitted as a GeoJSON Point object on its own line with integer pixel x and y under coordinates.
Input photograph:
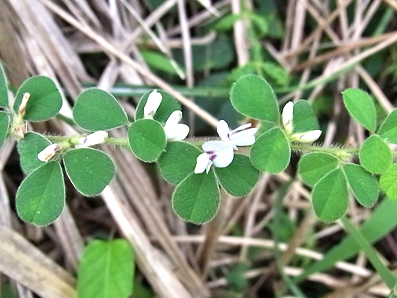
{"type": "Point", "coordinates": [387, 276]}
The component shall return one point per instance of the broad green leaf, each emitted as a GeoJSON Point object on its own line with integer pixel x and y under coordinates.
{"type": "Point", "coordinates": [3, 88]}
{"type": "Point", "coordinates": [375, 155]}
{"type": "Point", "coordinates": [178, 161]}
{"type": "Point", "coordinates": [361, 107]}
{"type": "Point", "coordinates": [41, 196]}
{"type": "Point", "coordinates": [388, 130]}
{"type": "Point", "coordinates": [159, 61]}
{"type": "Point", "coordinates": [252, 96]}
{"type": "Point", "coordinates": [106, 270]}
{"type": "Point", "coordinates": [28, 148]}
{"type": "Point", "coordinates": [271, 152]}
{"type": "Point", "coordinates": [96, 109]}
{"type": "Point", "coordinates": [330, 197]}
{"type": "Point", "coordinates": [315, 165]}
{"type": "Point", "coordinates": [238, 178]}
{"type": "Point", "coordinates": [196, 199]}
{"type": "Point", "coordinates": [304, 119]}
{"type": "Point", "coordinates": [362, 184]}
{"type": "Point", "coordinates": [45, 100]}
{"type": "Point", "coordinates": [388, 182]}
{"type": "Point", "coordinates": [4, 126]}
{"type": "Point", "coordinates": [147, 139]}
{"type": "Point", "coordinates": [89, 170]}
{"type": "Point", "coordinates": [381, 222]}
{"type": "Point", "coordinates": [167, 106]}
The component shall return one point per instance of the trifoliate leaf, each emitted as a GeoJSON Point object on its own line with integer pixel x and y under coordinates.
{"type": "Point", "coordinates": [4, 127]}
{"type": "Point", "coordinates": [3, 88]}
{"type": "Point", "coordinates": [375, 155]}
{"type": "Point", "coordinates": [388, 183]}
{"type": "Point", "coordinates": [303, 119]}
{"type": "Point", "coordinates": [388, 130]}
{"type": "Point", "coordinates": [315, 165]}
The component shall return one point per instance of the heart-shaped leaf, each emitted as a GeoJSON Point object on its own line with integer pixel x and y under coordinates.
{"type": "Point", "coordinates": [303, 119]}
{"type": "Point", "coordinates": [45, 100]}
{"type": "Point", "coordinates": [178, 161]}
{"type": "Point", "coordinates": [388, 182]}
{"type": "Point", "coordinates": [252, 96]}
{"type": "Point", "coordinates": [361, 107]}
{"type": "Point", "coordinates": [196, 199]}
{"type": "Point", "coordinates": [330, 196]}
{"type": "Point", "coordinates": [362, 184]}
{"type": "Point", "coordinates": [271, 152]}
{"type": "Point", "coordinates": [147, 139]}
{"type": "Point", "coordinates": [89, 170]}
{"type": "Point", "coordinates": [28, 148]}
{"type": "Point", "coordinates": [96, 109]}
{"type": "Point", "coordinates": [238, 178]}
{"type": "Point", "coordinates": [375, 155]}
{"type": "Point", "coordinates": [106, 270]}
{"type": "Point", "coordinates": [41, 196]}
{"type": "Point", "coordinates": [315, 165]}
{"type": "Point", "coordinates": [388, 130]}
{"type": "Point", "coordinates": [167, 106]}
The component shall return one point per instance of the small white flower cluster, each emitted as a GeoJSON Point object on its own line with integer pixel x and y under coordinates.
{"type": "Point", "coordinates": [220, 153]}
{"type": "Point", "coordinates": [174, 131]}
{"type": "Point", "coordinates": [303, 137]}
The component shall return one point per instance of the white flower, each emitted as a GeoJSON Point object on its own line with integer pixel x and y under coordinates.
{"type": "Point", "coordinates": [94, 138]}
{"type": "Point", "coordinates": [48, 152]}
{"type": "Point", "coordinates": [152, 104]}
{"type": "Point", "coordinates": [218, 153]}
{"type": "Point", "coordinates": [174, 131]}
{"type": "Point", "coordinates": [237, 137]}
{"type": "Point", "coordinates": [306, 137]}
{"type": "Point", "coordinates": [288, 113]}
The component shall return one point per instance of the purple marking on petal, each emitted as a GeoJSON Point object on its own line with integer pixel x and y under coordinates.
{"type": "Point", "coordinates": [209, 152]}
{"type": "Point", "coordinates": [228, 135]}
{"type": "Point", "coordinates": [212, 157]}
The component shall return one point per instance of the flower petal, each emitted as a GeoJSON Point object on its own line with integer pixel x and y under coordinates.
{"type": "Point", "coordinates": [221, 153]}
{"type": "Point", "coordinates": [307, 137]}
{"type": "Point", "coordinates": [223, 130]}
{"type": "Point", "coordinates": [242, 127]}
{"type": "Point", "coordinates": [95, 138]}
{"type": "Point", "coordinates": [288, 113]}
{"type": "Point", "coordinates": [179, 133]}
{"type": "Point", "coordinates": [244, 138]}
{"type": "Point", "coordinates": [202, 163]}
{"type": "Point", "coordinates": [48, 152]}
{"type": "Point", "coordinates": [173, 119]}
{"type": "Point", "coordinates": [152, 104]}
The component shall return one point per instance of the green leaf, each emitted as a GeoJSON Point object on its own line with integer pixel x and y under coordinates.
{"type": "Point", "coordinates": [362, 184]}
{"type": "Point", "coordinates": [303, 119]}
{"type": "Point", "coordinates": [238, 178]}
{"type": "Point", "coordinates": [271, 152]}
{"type": "Point", "coordinates": [45, 100]}
{"type": "Point", "coordinates": [330, 197]}
{"type": "Point", "coordinates": [381, 222]}
{"type": "Point", "coordinates": [252, 96]}
{"type": "Point", "coordinates": [388, 130]}
{"type": "Point", "coordinates": [96, 109]}
{"type": "Point", "coordinates": [315, 165]}
{"type": "Point", "coordinates": [147, 139]}
{"type": "Point", "coordinates": [4, 127]}
{"type": "Point", "coordinates": [178, 161]}
{"type": "Point", "coordinates": [3, 88]}
{"type": "Point", "coordinates": [196, 199]}
{"type": "Point", "coordinates": [167, 106]}
{"type": "Point", "coordinates": [159, 61]}
{"type": "Point", "coordinates": [28, 148]}
{"type": "Point", "coordinates": [89, 170]}
{"type": "Point", "coordinates": [106, 270]}
{"type": "Point", "coordinates": [375, 155]}
{"type": "Point", "coordinates": [361, 107]}
{"type": "Point", "coordinates": [41, 196]}
{"type": "Point", "coordinates": [388, 182]}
